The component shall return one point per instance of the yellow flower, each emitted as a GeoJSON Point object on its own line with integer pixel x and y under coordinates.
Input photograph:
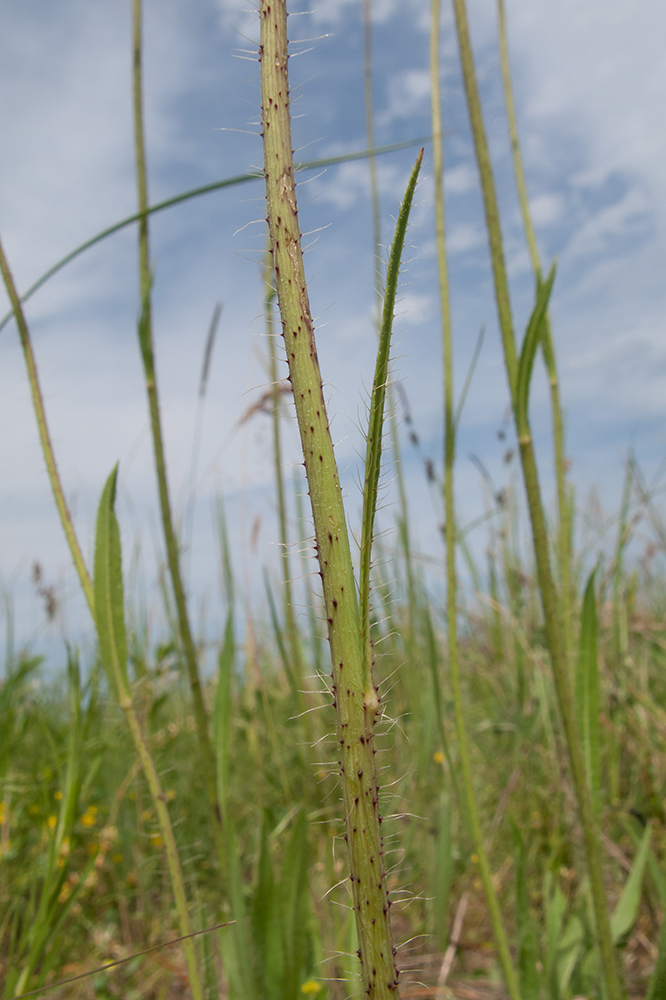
{"type": "Point", "coordinates": [33, 810]}
{"type": "Point", "coordinates": [146, 814]}
{"type": "Point", "coordinates": [170, 795]}
{"type": "Point", "coordinates": [438, 757]}
{"type": "Point", "coordinates": [57, 795]}
{"type": "Point", "coordinates": [65, 892]}
{"type": "Point", "coordinates": [2, 812]}
{"type": "Point", "coordinates": [156, 840]}
{"type": "Point", "coordinates": [475, 859]}
{"type": "Point", "coordinates": [310, 987]}
{"type": "Point", "coordinates": [117, 859]}
{"type": "Point", "coordinates": [51, 822]}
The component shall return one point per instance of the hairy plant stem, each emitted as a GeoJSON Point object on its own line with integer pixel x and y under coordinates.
{"type": "Point", "coordinates": [553, 625]}
{"type": "Point", "coordinates": [509, 972]}
{"type": "Point", "coordinates": [44, 436]}
{"type": "Point", "coordinates": [148, 357]}
{"type": "Point", "coordinates": [356, 710]}
{"type": "Point", "coordinates": [288, 604]}
{"type": "Point", "coordinates": [563, 505]}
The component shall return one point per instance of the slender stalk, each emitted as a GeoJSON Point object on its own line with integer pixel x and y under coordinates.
{"type": "Point", "coordinates": [290, 621]}
{"type": "Point", "coordinates": [564, 532]}
{"type": "Point", "coordinates": [372, 162]}
{"type": "Point", "coordinates": [148, 357]}
{"type": "Point", "coordinates": [509, 972]}
{"type": "Point", "coordinates": [355, 712]}
{"type": "Point", "coordinates": [554, 632]}
{"type": "Point", "coordinates": [44, 436]}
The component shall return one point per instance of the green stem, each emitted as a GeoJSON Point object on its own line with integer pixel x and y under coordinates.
{"type": "Point", "coordinates": [510, 976]}
{"type": "Point", "coordinates": [554, 634]}
{"type": "Point", "coordinates": [372, 162]}
{"type": "Point", "coordinates": [290, 621]}
{"type": "Point", "coordinates": [355, 716]}
{"type": "Point", "coordinates": [564, 533]}
{"type": "Point", "coordinates": [148, 357]}
{"type": "Point", "coordinates": [44, 436]}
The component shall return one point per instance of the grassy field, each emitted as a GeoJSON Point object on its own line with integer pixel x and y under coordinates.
{"type": "Point", "coordinates": [485, 772]}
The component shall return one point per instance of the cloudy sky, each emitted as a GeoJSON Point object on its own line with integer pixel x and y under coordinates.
{"type": "Point", "coordinates": [590, 85]}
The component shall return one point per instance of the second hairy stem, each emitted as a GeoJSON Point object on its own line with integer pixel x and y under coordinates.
{"type": "Point", "coordinates": [356, 709]}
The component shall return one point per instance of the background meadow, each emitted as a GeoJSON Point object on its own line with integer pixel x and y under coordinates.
{"type": "Point", "coordinates": [589, 89]}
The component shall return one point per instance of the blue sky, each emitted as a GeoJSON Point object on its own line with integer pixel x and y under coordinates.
{"type": "Point", "coordinates": [590, 84]}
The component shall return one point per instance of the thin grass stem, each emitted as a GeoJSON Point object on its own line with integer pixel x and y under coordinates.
{"type": "Point", "coordinates": [148, 357]}
{"type": "Point", "coordinates": [553, 625]}
{"type": "Point", "coordinates": [563, 505]}
{"type": "Point", "coordinates": [45, 437]}
{"type": "Point", "coordinates": [450, 426]}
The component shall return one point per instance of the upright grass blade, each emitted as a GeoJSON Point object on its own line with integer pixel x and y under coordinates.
{"type": "Point", "coordinates": [110, 623]}
{"type": "Point", "coordinates": [375, 437]}
{"type": "Point", "coordinates": [450, 531]}
{"type": "Point", "coordinates": [148, 357]}
{"type": "Point", "coordinates": [443, 873]}
{"type": "Point", "coordinates": [356, 707]}
{"type": "Point", "coordinates": [527, 942]}
{"type": "Point", "coordinates": [44, 436]}
{"type": "Point", "coordinates": [563, 502]}
{"type": "Point", "coordinates": [266, 921]}
{"type": "Point", "coordinates": [294, 908]}
{"type": "Point", "coordinates": [549, 600]}
{"type": "Point", "coordinates": [587, 691]}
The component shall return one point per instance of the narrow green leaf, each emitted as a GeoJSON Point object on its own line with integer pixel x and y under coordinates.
{"type": "Point", "coordinates": [443, 871]}
{"type": "Point", "coordinates": [108, 587]}
{"type": "Point", "coordinates": [587, 691]}
{"type": "Point", "coordinates": [244, 985]}
{"type": "Point", "coordinates": [267, 922]}
{"type": "Point", "coordinates": [293, 901]}
{"type": "Point", "coordinates": [222, 712]}
{"type": "Point", "coordinates": [373, 456]}
{"type": "Point", "coordinates": [568, 953]}
{"type": "Point", "coordinates": [528, 351]}
{"type": "Point", "coordinates": [626, 911]}
{"type": "Point", "coordinates": [527, 944]}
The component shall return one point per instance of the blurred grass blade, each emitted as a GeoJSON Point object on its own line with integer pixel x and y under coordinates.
{"type": "Point", "coordinates": [222, 712]}
{"type": "Point", "coordinates": [587, 691]}
{"type": "Point", "coordinates": [108, 590]}
{"type": "Point", "coordinates": [657, 985]}
{"type": "Point", "coordinates": [267, 921]}
{"type": "Point", "coordinates": [626, 911]}
{"type": "Point", "coordinates": [468, 378]}
{"type": "Point", "coordinates": [568, 952]}
{"type": "Point", "coordinates": [526, 937]}
{"type": "Point", "coordinates": [443, 873]}
{"type": "Point", "coordinates": [528, 350]}
{"type": "Point", "coordinates": [244, 986]}
{"type": "Point", "coordinates": [294, 908]}
{"type": "Point", "coordinates": [375, 436]}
